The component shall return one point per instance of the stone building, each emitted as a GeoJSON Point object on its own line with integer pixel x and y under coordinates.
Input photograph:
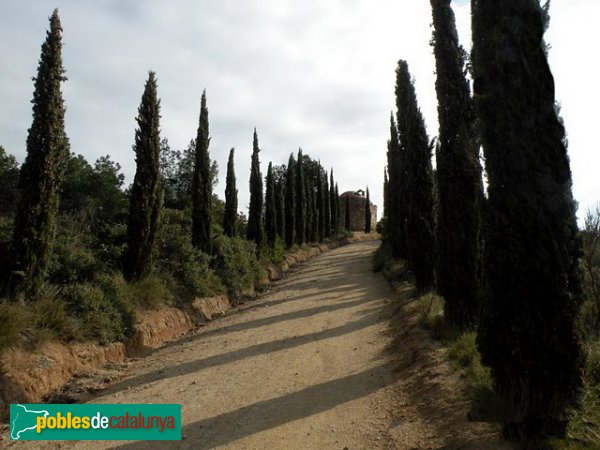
{"type": "Point", "coordinates": [357, 201]}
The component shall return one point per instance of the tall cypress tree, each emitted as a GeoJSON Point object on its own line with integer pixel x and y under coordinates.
{"type": "Point", "coordinates": [300, 201]}
{"type": "Point", "coordinates": [202, 184]}
{"type": "Point", "coordinates": [420, 236]}
{"type": "Point", "coordinates": [397, 213]}
{"type": "Point", "coordinates": [385, 196]}
{"type": "Point", "coordinates": [146, 200]}
{"type": "Point", "coordinates": [326, 206]}
{"type": "Point", "coordinates": [290, 203]}
{"type": "Point", "coordinates": [255, 227]}
{"type": "Point", "coordinates": [231, 201]}
{"type": "Point", "coordinates": [347, 213]}
{"type": "Point", "coordinates": [458, 173]}
{"type": "Point", "coordinates": [528, 334]}
{"type": "Point", "coordinates": [308, 189]}
{"type": "Point", "coordinates": [314, 217]}
{"type": "Point", "coordinates": [368, 213]}
{"type": "Point", "coordinates": [333, 204]}
{"type": "Point", "coordinates": [43, 169]}
{"type": "Point", "coordinates": [270, 209]}
{"type": "Point", "coordinates": [337, 209]}
{"type": "Point", "coordinates": [280, 207]}
{"type": "Point", "coordinates": [320, 206]}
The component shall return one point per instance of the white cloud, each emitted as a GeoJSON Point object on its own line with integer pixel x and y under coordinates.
{"type": "Point", "coordinates": [314, 74]}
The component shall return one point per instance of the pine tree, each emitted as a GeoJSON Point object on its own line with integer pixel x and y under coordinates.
{"type": "Point", "coordinates": [320, 206]}
{"type": "Point", "coordinates": [528, 335]}
{"type": "Point", "coordinates": [368, 213]}
{"type": "Point", "coordinates": [42, 171]}
{"type": "Point", "coordinates": [202, 184]}
{"type": "Point", "coordinates": [146, 200]}
{"type": "Point", "coordinates": [300, 201]}
{"type": "Point", "coordinates": [420, 236]}
{"type": "Point", "coordinates": [347, 213]}
{"type": "Point", "coordinates": [333, 202]}
{"type": "Point", "coordinates": [290, 203]}
{"type": "Point", "coordinates": [458, 172]}
{"type": "Point", "coordinates": [270, 212]}
{"type": "Point", "coordinates": [255, 226]}
{"type": "Point", "coordinates": [326, 206]}
{"type": "Point", "coordinates": [231, 202]}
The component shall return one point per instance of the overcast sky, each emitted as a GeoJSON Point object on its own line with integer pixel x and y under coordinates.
{"type": "Point", "coordinates": [313, 74]}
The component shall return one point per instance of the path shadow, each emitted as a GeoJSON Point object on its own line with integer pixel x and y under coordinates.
{"type": "Point", "coordinates": [370, 318]}
{"type": "Point", "coordinates": [248, 420]}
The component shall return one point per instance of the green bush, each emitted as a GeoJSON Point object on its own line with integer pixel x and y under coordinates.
{"type": "Point", "coordinates": [51, 318]}
{"type": "Point", "coordinates": [431, 317]}
{"type": "Point", "coordinates": [150, 293]}
{"type": "Point", "coordinates": [185, 269]}
{"type": "Point", "coordinates": [14, 319]}
{"type": "Point", "coordinates": [273, 255]}
{"type": "Point", "coordinates": [118, 293]}
{"type": "Point", "coordinates": [98, 317]}
{"type": "Point", "coordinates": [236, 264]}
{"type": "Point", "coordinates": [394, 270]}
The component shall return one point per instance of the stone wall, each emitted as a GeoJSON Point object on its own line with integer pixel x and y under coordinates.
{"type": "Point", "coordinates": [357, 211]}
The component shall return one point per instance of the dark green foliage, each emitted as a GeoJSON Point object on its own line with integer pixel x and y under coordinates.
{"type": "Point", "coordinates": [347, 214]}
{"type": "Point", "coordinates": [42, 171]}
{"type": "Point", "coordinates": [326, 206]}
{"type": "Point", "coordinates": [270, 208]}
{"type": "Point", "coordinates": [290, 203]}
{"type": "Point", "coordinates": [385, 194]}
{"type": "Point", "coordinates": [185, 267]}
{"type": "Point", "coordinates": [255, 225]}
{"type": "Point", "coordinates": [9, 181]}
{"type": "Point", "coordinates": [236, 264]}
{"type": "Point", "coordinates": [459, 186]}
{"type": "Point", "coordinates": [368, 213]}
{"type": "Point", "coordinates": [321, 207]}
{"type": "Point", "coordinates": [333, 204]}
{"type": "Point", "coordinates": [337, 221]}
{"type": "Point", "coordinates": [527, 335]}
{"type": "Point", "coordinates": [301, 201]}
{"type": "Point", "coordinates": [231, 202]}
{"type": "Point", "coordinates": [279, 176]}
{"type": "Point", "coordinates": [419, 180]}
{"type": "Point", "coordinates": [146, 199]}
{"type": "Point", "coordinates": [202, 184]}
{"type": "Point", "coordinates": [397, 206]}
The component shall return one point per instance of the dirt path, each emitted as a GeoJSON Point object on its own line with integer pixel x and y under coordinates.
{"type": "Point", "coordinates": [306, 367]}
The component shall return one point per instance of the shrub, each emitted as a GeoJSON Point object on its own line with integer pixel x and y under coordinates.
{"type": "Point", "coordinates": [13, 320]}
{"type": "Point", "coordinates": [117, 292]}
{"type": "Point", "coordinates": [236, 264]}
{"type": "Point", "coordinates": [185, 269]}
{"type": "Point", "coordinates": [51, 318]}
{"type": "Point", "coordinates": [99, 318]}
{"type": "Point", "coordinates": [431, 316]}
{"type": "Point", "coordinates": [393, 269]}
{"type": "Point", "coordinates": [149, 293]}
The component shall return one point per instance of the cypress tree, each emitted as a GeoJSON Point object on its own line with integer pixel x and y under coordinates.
{"type": "Point", "coordinates": [300, 201]}
{"type": "Point", "coordinates": [43, 169]}
{"type": "Point", "coordinates": [347, 213]}
{"type": "Point", "coordinates": [308, 189]}
{"type": "Point", "coordinates": [290, 203]}
{"type": "Point", "coordinates": [146, 200]}
{"type": "Point", "coordinates": [337, 209]}
{"type": "Point", "coordinates": [270, 212]}
{"type": "Point", "coordinates": [385, 196]}
{"type": "Point", "coordinates": [280, 207]}
{"type": "Point", "coordinates": [320, 206]}
{"type": "Point", "coordinates": [333, 204]}
{"type": "Point", "coordinates": [458, 173]}
{"type": "Point", "coordinates": [528, 334]}
{"type": "Point", "coordinates": [397, 213]}
{"type": "Point", "coordinates": [314, 224]}
{"type": "Point", "coordinates": [368, 213]}
{"type": "Point", "coordinates": [231, 202]}
{"type": "Point", "coordinates": [255, 227]}
{"type": "Point", "coordinates": [326, 205]}
{"type": "Point", "coordinates": [419, 180]}
{"type": "Point", "coordinates": [202, 184]}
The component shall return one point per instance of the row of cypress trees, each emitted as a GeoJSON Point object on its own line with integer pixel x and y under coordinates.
{"type": "Point", "coordinates": [300, 204]}
{"type": "Point", "coordinates": [505, 262]}
{"type": "Point", "coordinates": [312, 216]}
